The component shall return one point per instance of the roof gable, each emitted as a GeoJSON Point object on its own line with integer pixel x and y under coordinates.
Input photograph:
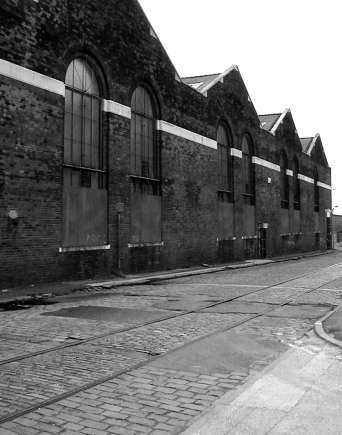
{"type": "Point", "coordinates": [316, 151]}
{"type": "Point", "coordinates": [267, 122]}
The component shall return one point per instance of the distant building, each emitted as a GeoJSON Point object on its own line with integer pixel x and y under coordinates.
{"type": "Point", "coordinates": [108, 159]}
{"type": "Point", "coordinates": [337, 230]}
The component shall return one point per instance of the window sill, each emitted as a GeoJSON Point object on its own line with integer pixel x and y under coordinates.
{"type": "Point", "coordinates": [145, 245]}
{"type": "Point", "coordinates": [84, 248]}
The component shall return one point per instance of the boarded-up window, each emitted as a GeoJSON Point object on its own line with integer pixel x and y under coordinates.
{"type": "Point", "coordinates": [85, 178]}
{"type": "Point", "coordinates": [284, 181]}
{"type": "Point", "coordinates": [248, 175]}
{"type": "Point", "coordinates": [316, 190]}
{"type": "Point", "coordinates": [225, 165]}
{"type": "Point", "coordinates": [296, 185]}
{"type": "Point", "coordinates": [145, 170]}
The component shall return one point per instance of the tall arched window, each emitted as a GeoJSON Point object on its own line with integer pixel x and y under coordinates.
{"type": "Point", "coordinates": [82, 124]}
{"type": "Point", "coordinates": [225, 165]}
{"type": "Point", "coordinates": [316, 190]}
{"type": "Point", "coordinates": [85, 196]}
{"type": "Point", "coordinates": [296, 185]}
{"type": "Point", "coordinates": [248, 175]}
{"type": "Point", "coordinates": [145, 170]}
{"type": "Point", "coordinates": [144, 146]}
{"type": "Point", "coordinates": [284, 181]}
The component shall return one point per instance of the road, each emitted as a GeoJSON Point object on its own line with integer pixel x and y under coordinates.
{"type": "Point", "coordinates": [153, 358]}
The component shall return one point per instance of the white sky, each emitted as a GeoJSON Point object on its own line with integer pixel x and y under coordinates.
{"type": "Point", "coordinates": [289, 54]}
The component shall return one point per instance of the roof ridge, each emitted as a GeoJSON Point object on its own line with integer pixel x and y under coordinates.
{"type": "Point", "coordinates": [201, 75]}
{"type": "Point", "coordinates": [270, 114]}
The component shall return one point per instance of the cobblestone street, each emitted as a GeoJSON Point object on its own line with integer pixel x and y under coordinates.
{"type": "Point", "coordinates": [152, 358]}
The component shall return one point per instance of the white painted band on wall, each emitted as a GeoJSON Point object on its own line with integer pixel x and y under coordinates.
{"type": "Point", "coordinates": [186, 134]}
{"type": "Point", "coordinates": [24, 75]}
{"type": "Point", "coordinates": [305, 178]}
{"type": "Point", "coordinates": [289, 172]}
{"type": "Point", "coordinates": [17, 72]}
{"type": "Point", "coordinates": [325, 186]}
{"type": "Point", "coordinates": [84, 248]}
{"type": "Point", "coordinates": [116, 108]}
{"type": "Point", "coordinates": [265, 164]}
{"type": "Point", "coordinates": [236, 153]}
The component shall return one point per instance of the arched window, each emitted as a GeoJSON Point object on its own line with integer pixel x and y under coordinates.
{"type": "Point", "coordinates": [144, 146]}
{"type": "Point", "coordinates": [84, 168]}
{"type": "Point", "coordinates": [284, 181]}
{"type": "Point", "coordinates": [296, 185]}
{"type": "Point", "coordinates": [82, 123]}
{"type": "Point", "coordinates": [225, 165]}
{"type": "Point", "coordinates": [145, 170]}
{"type": "Point", "coordinates": [316, 190]}
{"type": "Point", "coordinates": [248, 175]}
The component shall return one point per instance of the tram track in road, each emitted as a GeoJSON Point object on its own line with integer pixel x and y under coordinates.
{"type": "Point", "coordinates": [103, 379]}
{"type": "Point", "coordinates": [79, 342]}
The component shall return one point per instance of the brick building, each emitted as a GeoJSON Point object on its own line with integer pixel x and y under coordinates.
{"type": "Point", "coordinates": [108, 159]}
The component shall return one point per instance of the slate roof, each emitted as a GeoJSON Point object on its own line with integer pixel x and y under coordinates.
{"type": "Point", "coordinates": [306, 142]}
{"type": "Point", "coordinates": [268, 121]}
{"type": "Point", "coordinates": [199, 82]}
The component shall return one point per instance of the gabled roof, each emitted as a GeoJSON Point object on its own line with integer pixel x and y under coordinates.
{"type": "Point", "coordinates": [154, 34]}
{"type": "Point", "coordinates": [306, 142]}
{"type": "Point", "coordinates": [267, 122]}
{"type": "Point", "coordinates": [199, 82]}
{"type": "Point", "coordinates": [202, 84]}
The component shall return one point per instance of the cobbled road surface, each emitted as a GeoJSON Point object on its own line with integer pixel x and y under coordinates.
{"type": "Point", "coordinates": [151, 358]}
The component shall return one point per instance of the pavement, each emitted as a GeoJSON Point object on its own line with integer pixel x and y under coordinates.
{"type": "Point", "coordinates": [298, 394]}
{"type": "Point", "coordinates": [30, 292]}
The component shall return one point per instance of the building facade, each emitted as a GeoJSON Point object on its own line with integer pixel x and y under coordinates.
{"type": "Point", "coordinates": [109, 160]}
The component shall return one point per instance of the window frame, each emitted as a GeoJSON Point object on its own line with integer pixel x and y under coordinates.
{"type": "Point", "coordinates": [296, 185]}
{"type": "Point", "coordinates": [97, 165]}
{"type": "Point", "coordinates": [284, 181]}
{"type": "Point", "coordinates": [248, 170]}
{"type": "Point", "coordinates": [225, 163]}
{"type": "Point", "coordinates": [148, 183]}
{"type": "Point", "coordinates": [316, 190]}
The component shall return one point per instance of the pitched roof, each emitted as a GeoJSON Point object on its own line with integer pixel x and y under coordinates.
{"type": "Point", "coordinates": [202, 84]}
{"type": "Point", "coordinates": [267, 121]}
{"type": "Point", "coordinates": [199, 82]}
{"type": "Point", "coordinates": [306, 142]}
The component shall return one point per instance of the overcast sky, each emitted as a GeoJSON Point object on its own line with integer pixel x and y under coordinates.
{"type": "Point", "coordinates": [289, 54]}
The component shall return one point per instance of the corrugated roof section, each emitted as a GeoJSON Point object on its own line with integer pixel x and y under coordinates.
{"type": "Point", "coordinates": [268, 121]}
{"type": "Point", "coordinates": [199, 82]}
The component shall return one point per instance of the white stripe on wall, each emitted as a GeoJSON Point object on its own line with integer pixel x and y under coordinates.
{"type": "Point", "coordinates": [16, 72]}
{"type": "Point", "coordinates": [325, 186]}
{"type": "Point", "coordinates": [236, 153]}
{"type": "Point", "coordinates": [305, 178]}
{"type": "Point", "coordinates": [186, 134]}
{"type": "Point", "coordinates": [265, 164]}
{"type": "Point", "coordinates": [116, 108]}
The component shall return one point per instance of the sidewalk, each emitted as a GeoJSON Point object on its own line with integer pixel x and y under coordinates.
{"type": "Point", "coordinates": [37, 291]}
{"type": "Point", "coordinates": [330, 327]}
{"type": "Point", "coordinates": [298, 394]}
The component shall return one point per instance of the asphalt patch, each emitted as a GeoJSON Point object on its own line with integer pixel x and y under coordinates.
{"type": "Point", "coordinates": [221, 353]}
{"type": "Point", "coordinates": [300, 311]}
{"type": "Point", "coordinates": [239, 307]}
{"type": "Point", "coordinates": [108, 314]}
